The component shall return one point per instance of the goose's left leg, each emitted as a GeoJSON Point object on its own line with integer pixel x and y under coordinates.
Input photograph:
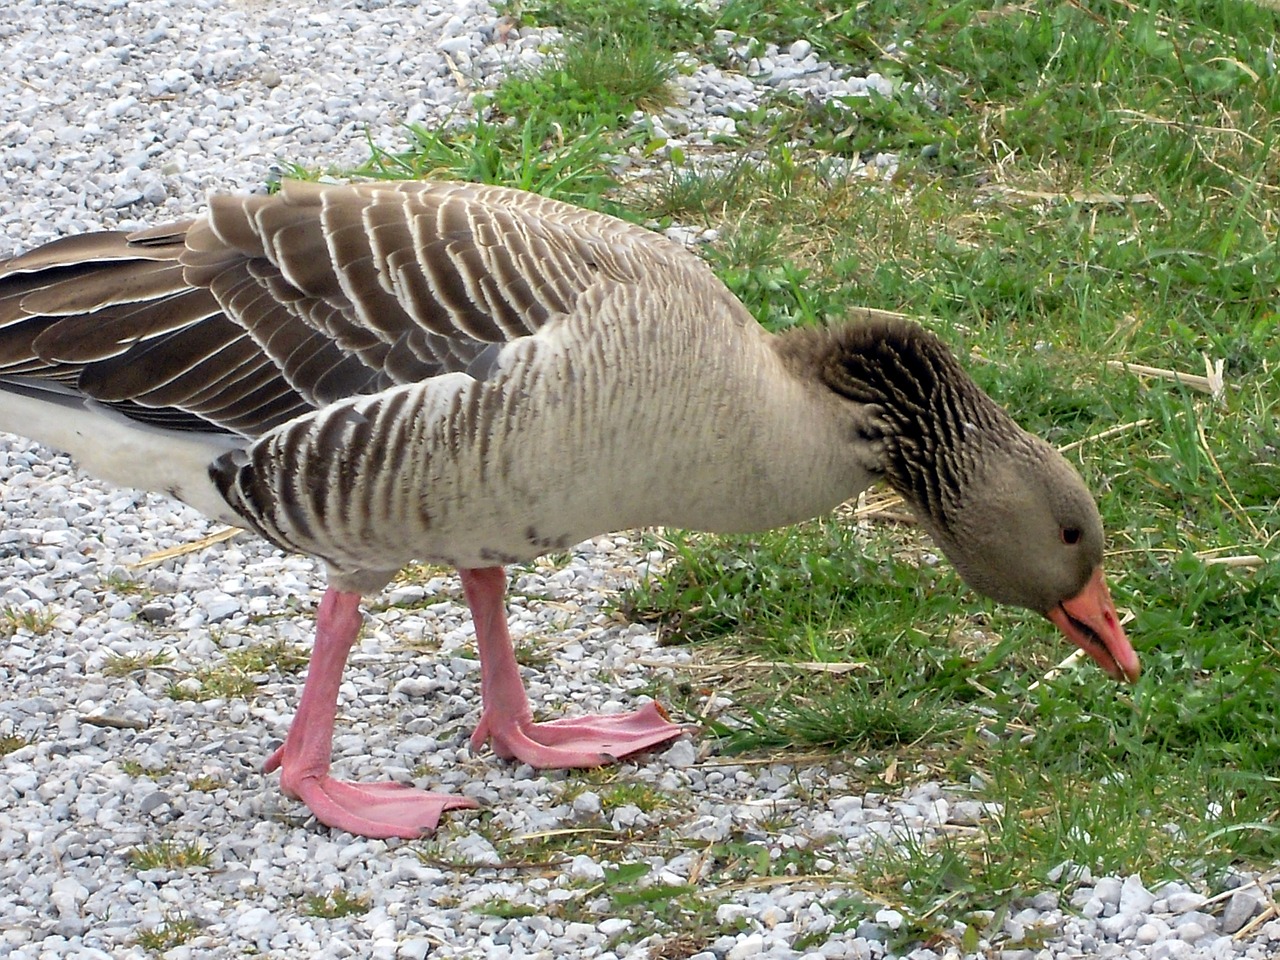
{"type": "Point", "coordinates": [506, 718]}
{"type": "Point", "coordinates": [377, 810]}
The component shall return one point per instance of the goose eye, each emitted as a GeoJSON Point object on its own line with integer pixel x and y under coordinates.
{"type": "Point", "coordinates": [1070, 535]}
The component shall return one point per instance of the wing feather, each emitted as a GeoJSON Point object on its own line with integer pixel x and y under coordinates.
{"type": "Point", "coordinates": [270, 307]}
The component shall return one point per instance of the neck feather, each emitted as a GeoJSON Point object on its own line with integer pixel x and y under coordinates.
{"type": "Point", "coordinates": [937, 424]}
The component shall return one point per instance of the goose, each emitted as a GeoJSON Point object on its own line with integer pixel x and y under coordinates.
{"type": "Point", "coordinates": [381, 373]}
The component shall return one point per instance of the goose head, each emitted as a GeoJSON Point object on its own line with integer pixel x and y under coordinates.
{"type": "Point", "coordinates": [1025, 531]}
{"type": "Point", "coordinates": [1007, 509]}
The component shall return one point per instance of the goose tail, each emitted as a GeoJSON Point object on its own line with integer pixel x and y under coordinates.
{"type": "Point", "coordinates": [112, 447]}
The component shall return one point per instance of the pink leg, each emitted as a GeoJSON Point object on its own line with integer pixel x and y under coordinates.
{"type": "Point", "coordinates": [377, 810]}
{"type": "Point", "coordinates": [506, 718]}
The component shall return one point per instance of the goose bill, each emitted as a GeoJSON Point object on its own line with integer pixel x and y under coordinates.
{"type": "Point", "coordinates": [1090, 622]}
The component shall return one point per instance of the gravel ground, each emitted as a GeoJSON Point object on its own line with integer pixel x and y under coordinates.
{"type": "Point", "coordinates": [115, 113]}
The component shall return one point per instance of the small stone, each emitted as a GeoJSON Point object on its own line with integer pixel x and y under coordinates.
{"type": "Point", "coordinates": [1148, 933]}
{"type": "Point", "coordinates": [627, 817]}
{"type": "Point", "coordinates": [155, 612]}
{"type": "Point", "coordinates": [1185, 901]}
{"type": "Point", "coordinates": [221, 607]}
{"type": "Point", "coordinates": [872, 931]}
{"type": "Point", "coordinates": [23, 157]}
{"type": "Point", "coordinates": [416, 949]}
{"type": "Point", "coordinates": [154, 191]}
{"type": "Point", "coordinates": [1241, 907]}
{"type": "Point", "coordinates": [1190, 932]}
{"type": "Point", "coordinates": [968, 813]}
{"type": "Point", "coordinates": [708, 828]}
{"type": "Point", "coordinates": [685, 236]}
{"type": "Point", "coordinates": [890, 918]}
{"type": "Point", "coordinates": [67, 894]}
{"type": "Point", "coordinates": [457, 46]}
{"type": "Point", "coordinates": [584, 868]}
{"type": "Point", "coordinates": [613, 926]}
{"type": "Point", "coordinates": [681, 754]}
{"type": "Point", "coordinates": [407, 595]}
{"type": "Point", "coordinates": [751, 945]}
{"type": "Point", "coordinates": [1134, 897]}
{"type": "Point", "coordinates": [70, 925]}
{"type": "Point", "coordinates": [126, 198]}
{"type": "Point", "coordinates": [1118, 927]}
{"type": "Point", "coordinates": [1208, 921]}
{"type": "Point", "coordinates": [256, 923]}
{"type": "Point", "coordinates": [1064, 869]}
{"type": "Point", "coordinates": [1107, 889]}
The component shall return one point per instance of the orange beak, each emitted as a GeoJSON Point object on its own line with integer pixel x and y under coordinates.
{"type": "Point", "coordinates": [1089, 620]}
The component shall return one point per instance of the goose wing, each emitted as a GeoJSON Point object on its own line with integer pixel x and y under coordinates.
{"type": "Point", "coordinates": [270, 307]}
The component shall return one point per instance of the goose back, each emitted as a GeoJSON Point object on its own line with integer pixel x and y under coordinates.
{"type": "Point", "coordinates": [272, 306]}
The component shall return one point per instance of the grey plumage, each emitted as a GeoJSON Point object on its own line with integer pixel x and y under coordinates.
{"type": "Point", "coordinates": [475, 375]}
{"type": "Point", "coordinates": [381, 373]}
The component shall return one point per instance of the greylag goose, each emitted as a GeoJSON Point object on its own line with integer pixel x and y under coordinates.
{"type": "Point", "coordinates": [472, 375]}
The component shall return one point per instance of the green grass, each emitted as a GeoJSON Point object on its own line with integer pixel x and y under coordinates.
{"type": "Point", "coordinates": [175, 930]}
{"type": "Point", "coordinates": [1102, 191]}
{"type": "Point", "coordinates": [1078, 184]}
{"type": "Point", "coordinates": [530, 155]}
{"type": "Point", "coordinates": [556, 130]}
{"type": "Point", "coordinates": [14, 620]}
{"type": "Point", "coordinates": [124, 664]}
{"type": "Point", "coordinates": [336, 904]}
{"type": "Point", "coordinates": [169, 855]}
{"type": "Point", "coordinates": [135, 769]}
{"type": "Point", "coordinates": [596, 81]}
{"type": "Point", "coordinates": [239, 675]}
{"type": "Point", "coordinates": [615, 791]}
{"type": "Point", "coordinates": [832, 26]}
